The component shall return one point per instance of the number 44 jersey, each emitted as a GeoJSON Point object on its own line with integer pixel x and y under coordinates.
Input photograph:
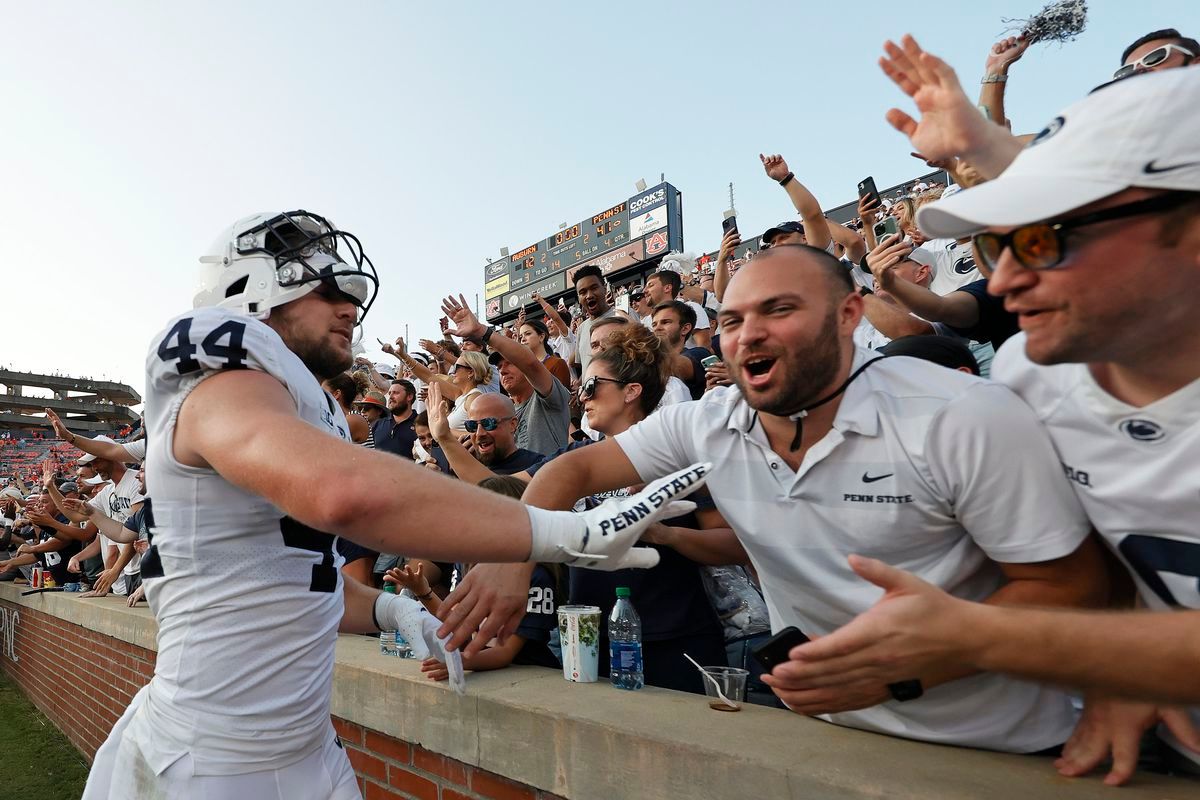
{"type": "Point", "coordinates": [248, 601]}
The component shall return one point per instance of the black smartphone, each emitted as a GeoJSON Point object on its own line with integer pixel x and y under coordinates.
{"type": "Point", "coordinates": [774, 651]}
{"type": "Point", "coordinates": [729, 223]}
{"type": "Point", "coordinates": [866, 188]}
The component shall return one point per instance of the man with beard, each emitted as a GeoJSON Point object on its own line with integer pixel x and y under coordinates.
{"type": "Point", "coordinates": [251, 469]}
{"type": "Point", "coordinates": [822, 450]}
{"type": "Point", "coordinates": [396, 432]}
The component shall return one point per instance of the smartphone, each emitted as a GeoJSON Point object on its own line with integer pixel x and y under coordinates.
{"type": "Point", "coordinates": [729, 222]}
{"type": "Point", "coordinates": [774, 651]}
{"type": "Point", "coordinates": [866, 188]}
{"type": "Point", "coordinates": [887, 227]}
{"type": "Point", "coordinates": [444, 322]}
{"type": "Point", "coordinates": [708, 362]}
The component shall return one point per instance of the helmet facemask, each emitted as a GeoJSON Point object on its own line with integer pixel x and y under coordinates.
{"type": "Point", "coordinates": [307, 248]}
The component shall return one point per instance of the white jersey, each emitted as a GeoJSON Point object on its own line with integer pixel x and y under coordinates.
{"type": "Point", "coordinates": [954, 265]}
{"type": "Point", "coordinates": [117, 501]}
{"type": "Point", "coordinates": [919, 470]}
{"type": "Point", "coordinates": [248, 601]}
{"type": "Point", "coordinates": [1133, 469]}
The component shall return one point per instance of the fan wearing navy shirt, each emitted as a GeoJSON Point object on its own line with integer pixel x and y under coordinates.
{"type": "Point", "coordinates": [396, 432]}
{"type": "Point", "coordinates": [673, 324]}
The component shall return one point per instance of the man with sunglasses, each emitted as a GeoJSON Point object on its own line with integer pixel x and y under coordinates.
{"type": "Point", "coordinates": [493, 429]}
{"type": "Point", "coordinates": [1093, 238]}
{"type": "Point", "coordinates": [1158, 50]}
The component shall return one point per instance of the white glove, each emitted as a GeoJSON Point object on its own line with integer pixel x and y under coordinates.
{"type": "Point", "coordinates": [603, 537]}
{"type": "Point", "coordinates": [419, 629]}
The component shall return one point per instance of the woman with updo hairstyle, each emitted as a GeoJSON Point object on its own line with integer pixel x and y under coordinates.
{"type": "Point", "coordinates": [622, 386]}
{"type": "Point", "coordinates": [534, 334]}
{"type": "Point", "coordinates": [344, 388]}
{"type": "Point", "coordinates": [625, 381]}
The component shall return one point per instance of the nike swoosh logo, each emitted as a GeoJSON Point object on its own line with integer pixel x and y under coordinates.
{"type": "Point", "coordinates": [872, 478]}
{"type": "Point", "coordinates": [1152, 169]}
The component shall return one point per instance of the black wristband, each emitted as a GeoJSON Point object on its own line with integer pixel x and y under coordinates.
{"type": "Point", "coordinates": [864, 291]}
{"type": "Point", "coordinates": [487, 335]}
{"type": "Point", "coordinates": [787, 179]}
{"type": "Point", "coordinates": [903, 691]}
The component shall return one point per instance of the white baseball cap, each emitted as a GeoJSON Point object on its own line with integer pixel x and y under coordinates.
{"type": "Point", "coordinates": [1138, 131]}
{"type": "Point", "coordinates": [88, 458]}
{"type": "Point", "coordinates": [923, 257]}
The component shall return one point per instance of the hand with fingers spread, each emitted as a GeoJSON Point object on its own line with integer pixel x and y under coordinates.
{"type": "Point", "coordinates": [409, 578]}
{"type": "Point", "coordinates": [78, 507]}
{"type": "Point", "coordinates": [435, 408]}
{"type": "Point", "coordinates": [914, 627]}
{"type": "Point", "coordinates": [950, 124]}
{"type": "Point", "coordinates": [60, 430]}
{"type": "Point", "coordinates": [466, 324]}
{"type": "Point", "coordinates": [1113, 728]}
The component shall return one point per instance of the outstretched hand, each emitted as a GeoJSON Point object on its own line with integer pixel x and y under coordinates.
{"type": "Point", "coordinates": [915, 626]}
{"type": "Point", "coordinates": [466, 324]}
{"type": "Point", "coordinates": [950, 125]}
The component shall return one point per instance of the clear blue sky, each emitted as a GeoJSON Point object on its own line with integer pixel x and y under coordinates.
{"type": "Point", "coordinates": [135, 132]}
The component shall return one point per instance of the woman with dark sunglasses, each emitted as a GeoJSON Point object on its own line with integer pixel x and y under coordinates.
{"type": "Point", "coordinates": [623, 385]}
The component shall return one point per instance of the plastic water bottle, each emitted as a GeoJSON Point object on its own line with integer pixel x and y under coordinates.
{"type": "Point", "coordinates": [389, 640]}
{"type": "Point", "coordinates": [625, 643]}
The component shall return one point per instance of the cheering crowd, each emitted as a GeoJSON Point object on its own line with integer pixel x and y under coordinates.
{"type": "Point", "coordinates": [981, 398]}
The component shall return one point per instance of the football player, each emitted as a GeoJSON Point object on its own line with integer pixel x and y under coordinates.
{"type": "Point", "coordinates": [253, 476]}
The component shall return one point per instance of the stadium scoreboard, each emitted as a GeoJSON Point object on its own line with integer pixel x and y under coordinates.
{"type": "Point", "coordinates": [640, 228]}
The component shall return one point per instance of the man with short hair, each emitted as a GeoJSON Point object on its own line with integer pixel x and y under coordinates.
{"type": "Point", "coordinates": [1093, 236]}
{"type": "Point", "coordinates": [665, 286]}
{"type": "Point", "coordinates": [395, 433]}
{"type": "Point", "coordinates": [673, 323]}
{"type": "Point", "coordinates": [823, 450]}
{"type": "Point", "coordinates": [543, 404]}
{"type": "Point", "coordinates": [593, 297]}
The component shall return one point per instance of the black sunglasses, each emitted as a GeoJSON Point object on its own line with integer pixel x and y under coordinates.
{"type": "Point", "coordinates": [587, 390]}
{"type": "Point", "coordinates": [488, 423]}
{"type": "Point", "coordinates": [1043, 244]}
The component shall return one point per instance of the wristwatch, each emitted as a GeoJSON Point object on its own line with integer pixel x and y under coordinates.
{"type": "Point", "coordinates": [904, 691]}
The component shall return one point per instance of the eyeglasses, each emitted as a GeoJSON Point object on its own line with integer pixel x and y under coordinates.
{"type": "Point", "coordinates": [487, 423]}
{"type": "Point", "coordinates": [1152, 59]}
{"type": "Point", "coordinates": [1043, 245]}
{"type": "Point", "coordinates": [587, 389]}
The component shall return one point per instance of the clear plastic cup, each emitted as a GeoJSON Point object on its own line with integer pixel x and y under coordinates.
{"type": "Point", "coordinates": [732, 681]}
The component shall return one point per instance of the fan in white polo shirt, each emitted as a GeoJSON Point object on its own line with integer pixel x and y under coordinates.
{"type": "Point", "coordinates": [1093, 237]}
{"type": "Point", "coordinates": [911, 463]}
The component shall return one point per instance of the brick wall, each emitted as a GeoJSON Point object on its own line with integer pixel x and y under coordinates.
{"type": "Point", "coordinates": [83, 681]}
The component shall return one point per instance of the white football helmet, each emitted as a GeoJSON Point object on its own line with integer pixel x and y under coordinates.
{"type": "Point", "coordinates": [266, 260]}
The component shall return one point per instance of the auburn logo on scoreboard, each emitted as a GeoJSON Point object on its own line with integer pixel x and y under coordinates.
{"type": "Point", "coordinates": [656, 244]}
{"type": "Point", "coordinates": [493, 307]}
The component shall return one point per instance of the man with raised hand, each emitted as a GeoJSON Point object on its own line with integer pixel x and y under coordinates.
{"type": "Point", "coordinates": [1093, 237]}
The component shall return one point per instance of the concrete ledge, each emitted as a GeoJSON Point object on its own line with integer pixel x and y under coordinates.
{"type": "Point", "coordinates": [592, 741]}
